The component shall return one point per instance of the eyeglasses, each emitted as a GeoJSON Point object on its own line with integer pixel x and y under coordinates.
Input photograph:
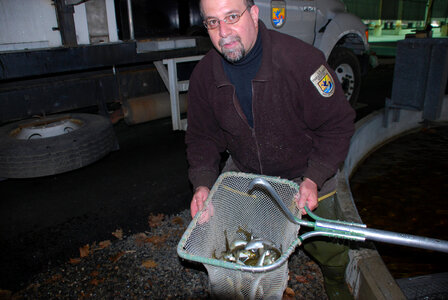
{"type": "Point", "coordinates": [212, 23]}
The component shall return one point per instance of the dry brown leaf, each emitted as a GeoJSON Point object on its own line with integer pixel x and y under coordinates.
{"type": "Point", "coordinates": [140, 239]}
{"type": "Point", "coordinates": [310, 277]}
{"type": "Point", "coordinates": [33, 286]}
{"type": "Point", "coordinates": [155, 220]}
{"type": "Point", "coordinates": [310, 263]}
{"type": "Point", "coordinates": [5, 294]}
{"type": "Point", "coordinates": [178, 233]}
{"type": "Point", "coordinates": [157, 240]}
{"type": "Point", "coordinates": [118, 233]}
{"type": "Point", "coordinates": [96, 281]}
{"type": "Point", "coordinates": [288, 294]}
{"type": "Point", "coordinates": [149, 264]}
{"type": "Point", "coordinates": [84, 251]}
{"type": "Point", "coordinates": [53, 279]}
{"type": "Point", "coordinates": [116, 257]}
{"type": "Point", "coordinates": [301, 279]}
{"type": "Point", "coordinates": [85, 295]}
{"type": "Point", "coordinates": [74, 261]}
{"type": "Point", "coordinates": [177, 221]}
{"type": "Point", "coordinates": [104, 244]}
{"type": "Point", "coordinates": [94, 273]}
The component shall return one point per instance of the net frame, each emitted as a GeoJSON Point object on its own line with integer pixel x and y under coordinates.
{"type": "Point", "coordinates": [233, 206]}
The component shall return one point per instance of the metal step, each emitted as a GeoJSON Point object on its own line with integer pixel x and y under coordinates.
{"type": "Point", "coordinates": [428, 287]}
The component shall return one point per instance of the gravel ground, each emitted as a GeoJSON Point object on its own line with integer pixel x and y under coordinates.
{"type": "Point", "coordinates": [146, 265]}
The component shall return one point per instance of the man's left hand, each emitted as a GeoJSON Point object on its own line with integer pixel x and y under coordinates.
{"type": "Point", "coordinates": [308, 195]}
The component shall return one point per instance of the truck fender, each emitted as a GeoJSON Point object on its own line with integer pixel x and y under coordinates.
{"type": "Point", "coordinates": [341, 25]}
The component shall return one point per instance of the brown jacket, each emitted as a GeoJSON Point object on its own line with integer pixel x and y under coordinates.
{"type": "Point", "coordinates": [297, 132]}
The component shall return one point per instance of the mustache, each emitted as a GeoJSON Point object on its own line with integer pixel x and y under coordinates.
{"type": "Point", "coordinates": [228, 40]}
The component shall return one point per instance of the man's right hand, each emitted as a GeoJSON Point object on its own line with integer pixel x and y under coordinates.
{"type": "Point", "coordinates": [199, 197]}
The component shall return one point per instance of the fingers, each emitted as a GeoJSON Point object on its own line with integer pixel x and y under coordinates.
{"type": "Point", "coordinates": [303, 200]}
{"type": "Point", "coordinates": [309, 200]}
{"type": "Point", "coordinates": [207, 214]}
{"type": "Point", "coordinates": [193, 207]}
{"type": "Point", "coordinates": [308, 196]}
{"type": "Point", "coordinates": [196, 205]}
{"type": "Point", "coordinates": [300, 201]}
{"type": "Point", "coordinates": [199, 197]}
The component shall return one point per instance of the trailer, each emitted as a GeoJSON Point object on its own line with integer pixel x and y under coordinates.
{"type": "Point", "coordinates": [131, 60]}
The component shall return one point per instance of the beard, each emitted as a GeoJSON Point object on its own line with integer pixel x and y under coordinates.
{"type": "Point", "coordinates": [235, 54]}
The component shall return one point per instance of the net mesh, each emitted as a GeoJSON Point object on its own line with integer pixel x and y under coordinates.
{"type": "Point", "coordinates": [231, 206]}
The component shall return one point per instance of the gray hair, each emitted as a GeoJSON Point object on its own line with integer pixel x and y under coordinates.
{"type": "Point", "coordinates": [249, 3]}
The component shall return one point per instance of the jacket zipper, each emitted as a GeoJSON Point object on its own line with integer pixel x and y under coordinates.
{"type": "Point", "coordinates": [253, 131]}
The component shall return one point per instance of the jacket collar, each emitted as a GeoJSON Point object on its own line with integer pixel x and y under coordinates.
{"type": "Point", "coordinates": [264, 74]}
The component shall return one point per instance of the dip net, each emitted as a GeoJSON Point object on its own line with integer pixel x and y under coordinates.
{"type": "Point", "coordinates": [231, 207]}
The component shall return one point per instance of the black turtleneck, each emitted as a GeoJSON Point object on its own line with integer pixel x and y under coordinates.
{"type": "Point", "coordinates": [241, 74]}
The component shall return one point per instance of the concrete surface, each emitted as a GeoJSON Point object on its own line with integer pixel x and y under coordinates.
{"type": "Point", "coordinates": [367, 274]}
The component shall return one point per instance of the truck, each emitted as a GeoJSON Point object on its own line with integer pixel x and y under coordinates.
{"type": "Point", "coordinates": [69, 69]}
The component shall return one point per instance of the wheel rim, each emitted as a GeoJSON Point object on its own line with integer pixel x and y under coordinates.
{"type": "Point", "coordinates": [46, 128]}
{"type": "Point", "coordinates": [346, 77]}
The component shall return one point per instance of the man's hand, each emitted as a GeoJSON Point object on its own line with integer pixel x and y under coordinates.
{"type": "Point", "coordinates": [308, 195]}
{"type": "Point", "coordinates": [197, 203]}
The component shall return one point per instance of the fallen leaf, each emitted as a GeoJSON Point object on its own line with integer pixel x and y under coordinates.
{"type": "Point", "coordinates": [74, 261]}
{"type": "Point", "coordinates": [96, 281]}
{"type": "Point", "coordinates": [53, 279]}
{"type": "Point", "coordinates": [84, 251]}
{"type": "Point", "coordinates": [85, 295]}
{"type": "Point", "coordinates": [118, 234]}
{"type": "Point", "coordinates": [149, 264]}
{"type": "Point", "coordinates": [310, 277]}
{"type": "Point", "coordinates": [116, 257]}
{"type": "Point", "coordinates": [94, 273]}
{"type": "Point", "coordinates": [157, 240]}
{"type": "Point", "coordinates": [5, 294]}
{"type": "Point", "coordinates": [177, 220]}
{"type": "Point", "coordinates": [155, 220]}
{"type": "Point", "coordinates": [33, 286]}
{"type": "Point", "coordinates": [140, 239]}
{"type": "Point", "coordinates": [289, 293]}
{"type": "Point", "coordinates": [179, 232]}
{"type": "Point", "coordinates": [301, 279]}
{"type": "Point", "coordinates": [104, 244]}
{"type": "Point", "coordinates": [149, 282]}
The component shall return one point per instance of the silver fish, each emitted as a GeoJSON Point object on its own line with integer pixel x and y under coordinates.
{"type": "Point", "coordinates": [262, 257]}
{"type": "Point", "coordinates": [258, 243]}
{"type": "Point", "coordinates": [253, 251]}
{"type": "Point", "coordinates": [237, 245]}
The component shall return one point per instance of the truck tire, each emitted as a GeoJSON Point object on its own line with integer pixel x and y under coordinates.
{"type": "Point", "coordinates": [348, 70]}
{"type": "Point", "coordinates": [53, 145]}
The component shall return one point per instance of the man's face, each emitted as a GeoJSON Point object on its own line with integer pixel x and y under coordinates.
{"type": "Point", "coordinates": [233, 41]}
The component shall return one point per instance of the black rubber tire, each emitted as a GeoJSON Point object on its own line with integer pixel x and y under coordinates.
{"type": "Point", "coordinates": [56, 154]}
{"type": "Point", "coordinates": [340, 60]}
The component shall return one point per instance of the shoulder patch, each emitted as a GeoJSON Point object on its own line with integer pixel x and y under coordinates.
{"type": "Point", "coordinates": [323, 81]}
{"type": "Point", "coordinates": [278, 13]}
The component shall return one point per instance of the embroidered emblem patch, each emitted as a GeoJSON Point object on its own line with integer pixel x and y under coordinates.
{"type": "Point", "coordinates": [278, 11]}
{"type": "Point", "coordinates": [323, 81]}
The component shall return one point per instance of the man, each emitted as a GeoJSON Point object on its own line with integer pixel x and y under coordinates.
{"type": "Point", "coordinates": [272, 103]}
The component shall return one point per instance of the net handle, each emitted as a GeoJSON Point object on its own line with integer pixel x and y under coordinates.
{"type": "Point", "coordinates": [262, 183]}
{"type": "Point", "coordinates": [348, 230]}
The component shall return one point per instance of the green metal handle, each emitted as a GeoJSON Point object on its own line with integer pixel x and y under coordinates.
{"type": "Point", "coordinates": [352, 231]}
